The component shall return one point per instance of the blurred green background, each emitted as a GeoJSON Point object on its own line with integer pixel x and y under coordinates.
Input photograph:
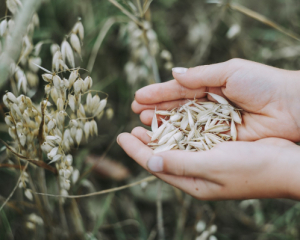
{"type": "Point", "coordinates": [182, 33]}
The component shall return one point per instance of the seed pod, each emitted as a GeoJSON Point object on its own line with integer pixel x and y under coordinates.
{"type": "Point", "coordinates": [89, 102]}
{"type": "Point", "coordinates": [11, 25]}
{"type": "Point", "coordinates": [93, 128]}
{"type": "Point", "coordinates": [60, 104]}
{"type": "Point", "coordinates": [95, 103]}
{"type": "Point", "coordinates": [5, 101]}
{"type": "Point", "coordinates": [81, 110]}
{"type": "Point", "coordinates": [78, 137]}
{"type": "Point", "coordinates": [66, 184]}
{"type": "Point", "coordinates": [67, 53]}
{"type": "Point", "coordinates": [69, 159]}
{"type": "Point", "coordinates": [72, 78]}
{"type": "Point", "coordinates": [74, 40]}
{"type": "Point", "coordinates": [54, 94]}
{"type": "Point", "coordinates": [47, 77]}
{"type": "Point", "coordinates": [32, 79]}
{"type": "Point", "coordinates": [12, 132]}
{"type": "Point", "coordinates": [73, 123]}
{"type": "Point", "coordinates": [57, 81]}
{"type": "Point", "coordinates": [101, 107]}
{"type": "Point", "coordinates": [52, 153]}
{"type": "Point", "coordinates": [46, 147]}
{"type": "Point", "coordinates": [22, 83]}
{"type": "Point", "coordinates": [11, 97]}
{"type": "Point", "coordinates": [66, 83]}
{"type": "Point", "coordinates": [9, 121]}
{"type": "Point", "coordinates": [78, 86]}
{"type": "Point", "coordinates": [22, 138]}
{"type": "Point", "coordinates": [176, 138]}
{"type": "Point", "coordinates": [109, 113]}
{"type": "Point", "coordinates": [55, 61]}
{"type": "Point", "coordinates": [87, 83]}
{"type": "Point", "coordinates": [26, 117]}
{"type": "Point", "coordinates": [87, 130]}
{"type": "Point", "coordinates": [53, 139]}
{"type": "Point", "coordinates": [35, 20]}
{"type": "Point", "coordinates": [166, 137]}
{"type": "Point", "coordinates": [31, 63]}
{"type": "Point", "coordinates": [29, 195]}
{"type": "Point", "coordinates": [165, 147]}
{"type": "Point", "coordinates": [54, 48]}
{"type": "Point", "coordinates": [61, 117]}
{"type": "Point", "coordinates": [47, 89]}
{"type": "Point", "coordinates": [55, 158]}
{"type": "Point", "coordinates": [71, 102]}
{"type": "Point", "coordinates": [78, 29]}
{"type": "Point", "coordinates": [3, 27]}
{"type": "Point", "coordinates": [67, 135]}
{"type": "Point", "coordinates": [233, 131]}
{"type": "Point", "coordinates": [73, 132]}
{"type": "Point", "coordinates": [218, 98]}
{"type": "Point", "coordinates": [17, 110]}
{"type": "Point", "coordinates": [75, 176]}
{"type": "Point", "coordinates": [29, 137]}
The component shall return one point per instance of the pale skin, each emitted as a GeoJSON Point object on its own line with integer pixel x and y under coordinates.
{"type": "Point", "coordinates": [263, 163]}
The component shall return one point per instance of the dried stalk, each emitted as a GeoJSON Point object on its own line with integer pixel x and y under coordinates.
{"type": "Point", "coordinates": [14, 189]}
{"type": "Point", "coordinates": [127, 13]}
{"type": "Point", "coordinates": [263, 19]}
{"type": "Point", "coordinates": [12, 50]}
{"type": "Point", "coordinates": [147, 179]}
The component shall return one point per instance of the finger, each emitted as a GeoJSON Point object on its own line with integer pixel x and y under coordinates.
{"type": "Point", "coordinates": [138, 108]}
{"type": "Point", "coordinates": [141, 153]}
{"type": "Point", "coordinates": [214, 75]}
{"type": "Point", "coordinates": [168, 91]}
{"type": "Point", "coordinates": [146, 117]}
{"type": "Point", "coordinates": [186, 164]}
{"type": "Point", "coordinates": [141, 134]}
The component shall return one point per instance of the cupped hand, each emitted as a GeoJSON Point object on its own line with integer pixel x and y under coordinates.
{"type": "Point", "coordinates": [265, 168]}
{"type": "Point", "coordinates": [269, 96]}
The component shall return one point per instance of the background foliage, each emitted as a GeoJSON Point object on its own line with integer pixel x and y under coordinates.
{"type": "Point", "coordinates": [194, 32]}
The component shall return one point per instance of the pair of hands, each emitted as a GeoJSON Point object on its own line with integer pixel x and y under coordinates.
{"type": "Point", "coordinates": [263, 163]}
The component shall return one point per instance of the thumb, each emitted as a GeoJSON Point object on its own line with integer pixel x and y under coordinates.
{"type": "Point", "coordinates": [182, 163]}
{"type": "Point", "coordinates": [214, 75]}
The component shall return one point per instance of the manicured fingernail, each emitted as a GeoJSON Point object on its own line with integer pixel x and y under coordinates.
{"type": "Point", "coordinates": [155, 164]}
{"type": "Point", "coordinates": [179, 70]}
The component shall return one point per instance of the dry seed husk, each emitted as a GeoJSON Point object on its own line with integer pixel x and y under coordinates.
{"type": "Point", "coordinates": [195, 126]}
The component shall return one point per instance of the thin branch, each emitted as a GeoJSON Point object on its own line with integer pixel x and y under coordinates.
{"type": "Point", "coordinates": [13, 46]}
{"type": "Point", "coordinates": [147, 179]}
{"type": "Point", "coordinates": [14, 189]}
{"type": "Point", "coordinates": [126, 12]}
{"type": "Point", "coordinates": [263, 19]}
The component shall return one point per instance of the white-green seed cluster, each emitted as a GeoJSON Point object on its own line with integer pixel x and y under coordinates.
{"type": "Point", "coordinates": [195, 126]}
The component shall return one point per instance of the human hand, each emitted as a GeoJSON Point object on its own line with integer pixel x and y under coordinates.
{"type": "Point", "coordinates": [267, 168]}
{"type": "Point", "coordinates": [269, 96]}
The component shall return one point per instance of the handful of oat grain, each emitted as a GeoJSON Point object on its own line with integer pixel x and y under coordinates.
{"type": "Point", "coordinates": [195, 126]}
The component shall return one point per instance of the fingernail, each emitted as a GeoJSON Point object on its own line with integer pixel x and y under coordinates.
{"type": "Point", "coordinates": [179, 70]}
{"type": "Point", "coordinates": [155, 164]}
{"type": "Point", "coordinates": [118, 139]}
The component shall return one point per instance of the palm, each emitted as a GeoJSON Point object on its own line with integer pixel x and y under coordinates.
{"type": "Point", "coordinates": [266, 99]}
{"type": "Point", "coordinates": [231, 170]}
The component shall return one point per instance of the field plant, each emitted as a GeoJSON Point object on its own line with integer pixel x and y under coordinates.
{"type": "Point", "coordinates": [63, 176]}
